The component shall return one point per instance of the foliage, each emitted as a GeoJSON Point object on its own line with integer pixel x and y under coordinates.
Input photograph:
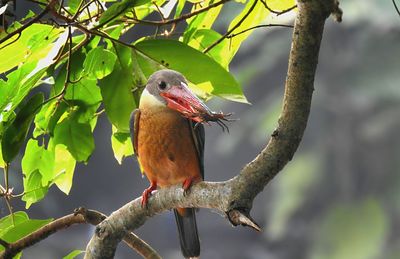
{"type": "Point", "coordinates": [90, 70]}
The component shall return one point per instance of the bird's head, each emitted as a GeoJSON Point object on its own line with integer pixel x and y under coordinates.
{"type": "Point", "coordinates": [170, 89]}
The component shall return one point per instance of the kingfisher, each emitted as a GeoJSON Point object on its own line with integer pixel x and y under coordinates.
{"type": "Point", "coordinates": [167, 133]}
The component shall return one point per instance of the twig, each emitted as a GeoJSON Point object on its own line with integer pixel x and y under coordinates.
{"type": "Point", "coordinates": [32, 21]}
{"type": "Point", "coordinates": [259, 26]}
{"type": "Point", "coordinates": [232, 29]}
{"type": "Point", "coordinates": [264, 2]}
{"type": "Point", "coordinates": [395, 6]}
{"type": "Point", "coordinates": [80, 216]}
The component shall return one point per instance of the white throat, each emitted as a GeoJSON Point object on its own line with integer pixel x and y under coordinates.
{"type": "Point", "coordinates": [149, 100]}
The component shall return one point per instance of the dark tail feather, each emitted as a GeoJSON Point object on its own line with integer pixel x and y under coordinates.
{"type": "Point", "coordinates": [187, 229]}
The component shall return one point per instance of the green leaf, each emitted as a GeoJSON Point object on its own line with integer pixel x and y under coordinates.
{"type": "Point", "coordinates": [204, 20]}
{"type": "Point", "coordinates": [179, 8]}
{"type": "Point", "coordinates": [76, 136]}
{"type": "Point", "coordinates": [121, 145]}
{"type": "Point", "coordinates": [209, 76]}
{"type": "Point", "coordinates": [64, 168]}
{"type": "Point", "coordinates": [205, 37]}
{"type": "Point", "coordinates": [10, 221]}
{"type": "Point", "coordinates": [23, 227]}
{"type": "Point", "coordinates": [33, 188]}
{"type": "Point", "coordinates": [38, 158]}
{"type": "Point", "coordinates": [118, 9]}
{"type": "Point", "coordinates": [34, 43]}
{"type": "Point", "coordinates": [99, 63]}
{"type": "Point", "coordinates": [15, 134]}
{"type": "Point", "coordinates": [255, 17]}
{"type": "Point", "coordinates": [47, 118]}
{"type": "Point", "coordinates": [356, 231]}
{"type": "Point", "coordinates": [116, 90]}
{"type": "Point", "coordinates": [73, 254]}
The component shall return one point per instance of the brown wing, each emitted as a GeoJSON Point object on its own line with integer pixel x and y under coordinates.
{"type": "Point", "coordinates": [134, 129]}
{"type": "Point", "coordinates": [198, 135]}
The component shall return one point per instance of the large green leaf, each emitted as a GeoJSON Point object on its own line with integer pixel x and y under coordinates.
{"type": "Point", "coordinates": [23, 226]}
{"type": "Point", "coordinates": [38, 158]}
{"type": "Point", "coordinates": [15, 134]}
{"type": "Point", "coordinates": [116, 90]}
{"type": "Point", "coordinates": [198, 68]}
{"type": "Point", "coordinates": [76, 136]}
{"type": "Point", "coordinates": [99, 63]}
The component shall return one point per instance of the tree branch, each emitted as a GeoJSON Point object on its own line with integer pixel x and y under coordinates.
{"type": "Point", "coordinates": [237, 194]}
{"type": "Point", "coordinates": [80, 216]}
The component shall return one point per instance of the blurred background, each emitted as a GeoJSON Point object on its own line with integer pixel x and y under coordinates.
{"type": "Point", "coordinates": [339, 198]}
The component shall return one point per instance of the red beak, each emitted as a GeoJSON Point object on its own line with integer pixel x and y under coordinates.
{"type": "Point", "coordinates": [181, 99]}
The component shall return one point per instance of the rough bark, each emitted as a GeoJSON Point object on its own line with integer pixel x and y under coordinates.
{"type": "Point", "coordinates": [237, 194]}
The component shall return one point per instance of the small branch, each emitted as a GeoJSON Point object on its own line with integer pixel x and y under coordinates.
{"type": "Point", "coordinates": [259, 26]}
{"type": "Point", "coordinates": [264, 2]}
{"type": "Point", "coordinates": [232, 29]}
{"type": "Point", "coordinates": [80, 216]}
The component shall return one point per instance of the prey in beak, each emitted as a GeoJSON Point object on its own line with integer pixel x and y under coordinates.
{"type": "Point", "coordinates": [181, 99]}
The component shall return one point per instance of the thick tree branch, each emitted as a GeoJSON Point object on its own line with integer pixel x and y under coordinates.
{"type": "Point", "coordinates": [80, 216]}
{"type": "Point", "coordinates": [237, 194]}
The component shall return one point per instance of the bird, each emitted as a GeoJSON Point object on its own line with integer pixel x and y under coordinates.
{"type": "Point", "coordinates": [168, 138]}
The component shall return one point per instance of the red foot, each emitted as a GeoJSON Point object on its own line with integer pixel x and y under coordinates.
{"type": "Point", "coordinates": [187, 184]}
{"type": "Point", "coordinates": [147, 193]}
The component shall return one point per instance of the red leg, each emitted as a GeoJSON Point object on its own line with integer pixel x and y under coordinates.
{"type": "Point", "coordinates": [147, 192]}
{"type": "Point", "coordinates": [188, 183]}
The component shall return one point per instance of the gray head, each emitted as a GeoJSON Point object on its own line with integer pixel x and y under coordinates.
{"type": "Point", "coordinates": [168, 87]}
{"type": "Point", "coordinates": [162, 81]}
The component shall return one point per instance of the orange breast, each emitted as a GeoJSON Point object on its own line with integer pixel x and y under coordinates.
{"type": "Point", "coordinates": [165, 147]}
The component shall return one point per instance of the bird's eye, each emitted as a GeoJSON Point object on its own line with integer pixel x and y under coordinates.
{"type": "Point", "coordinates": [162, 85]}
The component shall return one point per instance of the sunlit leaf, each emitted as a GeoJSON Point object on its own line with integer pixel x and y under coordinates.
{"type": "Point", "coordinates": [38, 158]}
{"type": "Point", "coordinates": [34, 43]}
{"type": "Point", "coordinates": [76, 136]}
{"type": "Point", "coordinates": [255, 17]}
{"type": "Point", "coordinates": [73, 254]}
{"type": "Point", "coordinates": [118, 9]}
{"type": "Point", "coordinates": [23, 226]}
{"type": "Point", "coordinates": [34, 191]}
{"type": "Point", "coordinates": [99, 63]}
{"type": "Point", "coordinates": [179, 8]}
{"type": "Point", "coordinates": [64, 168]}
{"type": "Point", "coordinates": [203, 38]}
{"type": "Point", "coordinates": [116, 90]}
{"type": "Point", "coordinates": [10, 221]}
{"type": "Point", "coordinates": [202, 21]}
{"type": "Point", "coordinates": [121, 145]}
{"type": "Point", "coordinates": [197, 67]}
{"type": "Point", "coordinates": [15, 134]}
